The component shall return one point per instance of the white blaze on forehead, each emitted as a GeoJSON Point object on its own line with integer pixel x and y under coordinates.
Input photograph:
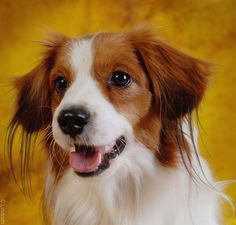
{"type": "Point", "coordinates": [81, 56]}
{"type": "Point", "coordinates": [84, 85]}
{"type": "Point", "coordinates": [84, 89]}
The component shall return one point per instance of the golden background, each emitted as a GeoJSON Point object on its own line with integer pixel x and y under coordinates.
{"type": "Point", "coordinates": [205, 29]}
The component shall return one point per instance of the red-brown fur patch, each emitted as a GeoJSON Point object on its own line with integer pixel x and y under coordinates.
{"type": "Point", "coordinates": [113, 52]}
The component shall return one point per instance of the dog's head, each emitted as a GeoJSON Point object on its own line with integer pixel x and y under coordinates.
{"type": "Point", "coordinates": [94, 97]}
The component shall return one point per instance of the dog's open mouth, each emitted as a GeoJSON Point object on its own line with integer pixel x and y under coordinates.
{"type": "Point", "coordinates": [92, 160]}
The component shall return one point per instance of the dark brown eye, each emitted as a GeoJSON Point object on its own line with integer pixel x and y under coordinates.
{"type": "Point", "coordinates": [60, 84]}
{"type": "Point", "coordinates": [120, 79]}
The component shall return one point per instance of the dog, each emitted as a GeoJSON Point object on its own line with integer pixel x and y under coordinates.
{"type": "Point", "coordinates": [115, 113]}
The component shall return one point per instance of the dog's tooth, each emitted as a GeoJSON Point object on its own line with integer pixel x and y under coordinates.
{"type": "Point", "coordinates": [112, 154]}
{"type": "Point", "coordinates": [106, 148]}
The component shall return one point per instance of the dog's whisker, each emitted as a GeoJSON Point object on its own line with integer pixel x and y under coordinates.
{"type": "Point", "coordinates": [47, 128]}
{"type": "Point", "coordinates": [61, 167]}
{"type": "Point", "coordinates": [47, 136]}
{"type": "Point", "coordinates": [54, 150]}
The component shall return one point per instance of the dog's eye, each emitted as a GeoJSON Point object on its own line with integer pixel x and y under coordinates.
{"type": "Point", "coordinates": [120, 79]}
{"type": "Point", "coordinates": [60, 84]}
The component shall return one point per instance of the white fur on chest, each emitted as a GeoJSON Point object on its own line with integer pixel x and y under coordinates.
{"type": "Point", "coordinates": [141, 192]}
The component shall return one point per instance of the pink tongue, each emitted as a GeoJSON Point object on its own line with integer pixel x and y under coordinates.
{"type": "Point", "coordinates": [83, 164]}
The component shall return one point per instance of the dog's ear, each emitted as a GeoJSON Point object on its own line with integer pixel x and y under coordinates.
{"type": "Point", "coordinates": [33, 102]}
{"type": "Point", "coordinates": [33, 98]}
{"type": "Point", "coordinates": [177, 80]}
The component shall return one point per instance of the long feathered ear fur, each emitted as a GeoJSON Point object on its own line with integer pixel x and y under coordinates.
{"type": "Point", "coordinates": [33, 111]}
{"type": "Point", "coordinates": [178, 82]}
{"type": "Point", "coordinates": [33, 102]}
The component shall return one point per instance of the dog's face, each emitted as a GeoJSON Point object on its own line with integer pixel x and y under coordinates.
{"type": "Point", "coordinates": [94, 92]}
{"type": "Point", "coordinates": [96, 96]}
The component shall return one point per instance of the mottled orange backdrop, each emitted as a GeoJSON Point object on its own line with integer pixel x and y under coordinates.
{"type": "Point", "coordinates": [205, 29]}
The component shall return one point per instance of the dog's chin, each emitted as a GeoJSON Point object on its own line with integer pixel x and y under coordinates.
{"type": "Point", "coordinates": [90, 160]}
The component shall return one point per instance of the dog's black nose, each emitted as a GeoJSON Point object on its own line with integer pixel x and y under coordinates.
{"type": "Point", "coordinates": [73, 120]}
